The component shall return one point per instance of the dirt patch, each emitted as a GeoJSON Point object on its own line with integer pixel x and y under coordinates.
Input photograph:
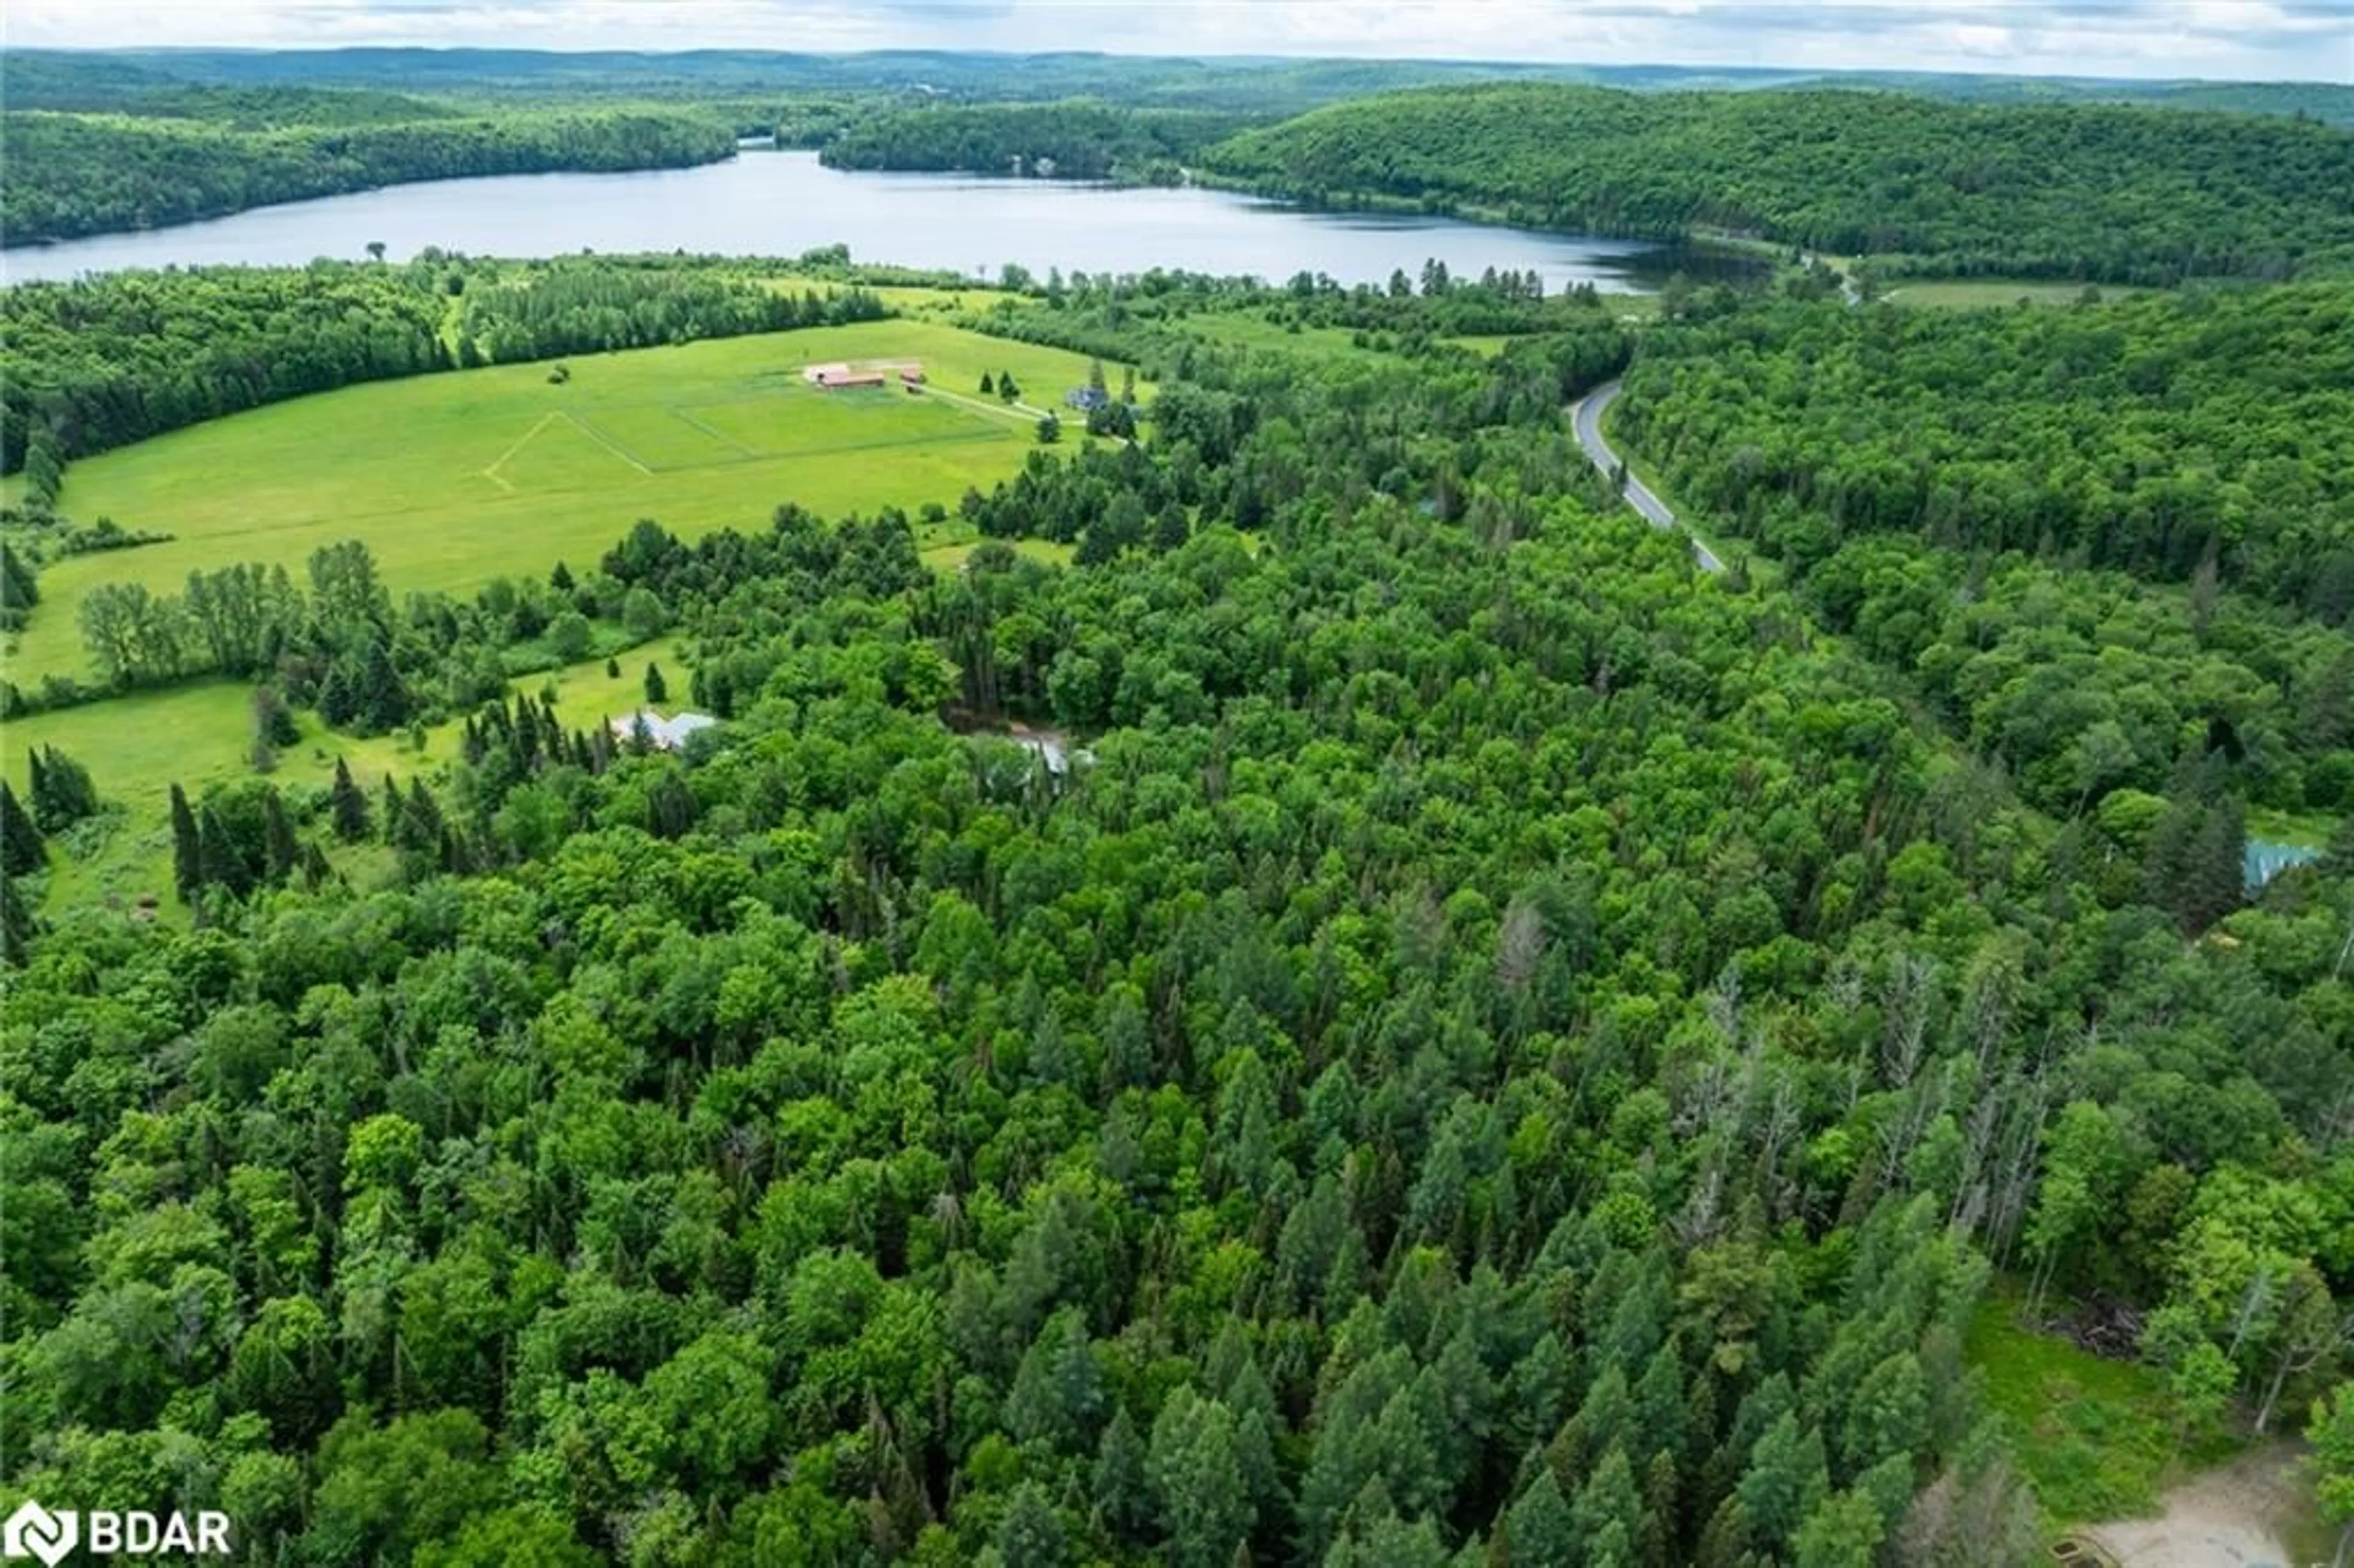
{"type": "Point", "coordinates": [2242, 1515]}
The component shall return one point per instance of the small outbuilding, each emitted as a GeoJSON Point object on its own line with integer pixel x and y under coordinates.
{"type": "Point", "coordinates": [663, 734]}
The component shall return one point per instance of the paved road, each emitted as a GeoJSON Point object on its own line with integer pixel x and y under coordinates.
{"type": "Point", "coordinates": [1587, 418]}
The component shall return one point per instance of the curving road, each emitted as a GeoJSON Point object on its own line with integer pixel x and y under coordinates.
{"type": "Point", "coordinates": [1586, 417]}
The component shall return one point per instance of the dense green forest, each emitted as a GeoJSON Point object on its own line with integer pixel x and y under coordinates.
{"type": "Point", "coordinates": [2097, 192]}
{"type": "Point", "coordinates": [106, 85]}
{"type": "Point", "coordinates": [2154, 435]}
{"type": "Point", "coordinates": [1501, 1049]}
{"type": "Point", "coordinates": [71, 174]}
{"type": "Point", "coordinates": [2088, 532]}
{"type": "Point", "coordinates": [1076, 140]}
{"type": "Point", "coordinates": [1263, 85]}
{"type": "Point", "coordinates": [96, 363]}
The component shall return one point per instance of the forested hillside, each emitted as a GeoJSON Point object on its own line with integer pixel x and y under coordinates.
{"type": "Point", "coordinates": [71, 174]}
{"type": "Point", "coordinates": [1497, 1048]}
{"type": "Point", "coordinates": [2079, 191]}
{"type": "Point", "coordinates": [2087, 532]}
{"type": "Point", "coordinates": [2155, 435]}
{"type": "Point", "coordinates": [1076, 140]}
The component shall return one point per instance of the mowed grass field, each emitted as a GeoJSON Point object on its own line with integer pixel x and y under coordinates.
{"type": "Point", "coordinates": [139, 745]}
{"type": "Point", "coordinates": [453, 480]}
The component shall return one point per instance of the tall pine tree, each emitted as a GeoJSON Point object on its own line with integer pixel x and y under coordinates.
{"type": "Point", "coordinates": [61, 790]}
{"type": "Point", "coordinates": [21, 849]}
{"type": "Point", "coordinates": [17, 926]}
{"type": "Point", "coordinates": [187, 849]}
{"type": "Point", "coordinates": [395, 808]}
{"type": "Point", "coordinates": [279, 849]}
{"type": "Point", "coordinates": [348, 806]}
{"type": "Point", "coordinates": [222, 861]}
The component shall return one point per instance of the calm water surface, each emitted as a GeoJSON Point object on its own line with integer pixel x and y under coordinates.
{"type": "Point", "coordinates": [783, 203]}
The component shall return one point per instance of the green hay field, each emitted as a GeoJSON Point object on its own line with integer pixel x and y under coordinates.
{"type": "Point", "coordinates": [454, 479]}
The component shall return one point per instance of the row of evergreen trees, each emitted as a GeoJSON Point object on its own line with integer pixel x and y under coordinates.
{"type": "Point", "coordinates": [61, 793]}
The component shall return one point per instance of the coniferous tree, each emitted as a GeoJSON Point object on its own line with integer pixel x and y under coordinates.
{"type": "Point", "coordinates": [1032, 1530]}
{"type": "Point", "coordinates": [17, 925]}
{"type": "Point", "coordinates": [187, 850]}
{"type": "Point", "coordinates": [273, 721]}
{"type": "Point", "coordinates": [62, 792]}
{"type": "Point", "coordinates": [19, 588]}
{"type": "Point", "coordinates": [347, 805]}
{"type": "Point", "coordinates": [279, 849]}
{"type": "Point", "coordinates": [2215, 879]}
{"type": "Point", "coordinates": [420, 822]}
{"type": "Point", "coordinates": [671, 805]}
{"type": "Point", "coordinates": [657, 689]}
{"type": "Point", "coordinates": [21, 849]}
{"type": "Point", "coordinates": [221, 863]}
{"type": "Point", "coordinates": [383, 699]}
{"type": "Point", "coordinates": [395, 808]}
{"type": "Point", "coordinates": [1122, 1491]}
{"type": "Point", "coordinates": [1538, 1529]}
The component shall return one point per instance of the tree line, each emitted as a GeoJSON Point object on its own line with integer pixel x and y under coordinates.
{"type": "Point", "coordinates": [336, 641]}
{"type": "Point", "coordinates": [1078, 140]}
{"type": "Point", "coordinates": [2091, 191]}
{"type": "Point", "coordinates": [575, 306]}
{"type": "Point", "coordinates": [71, 174]}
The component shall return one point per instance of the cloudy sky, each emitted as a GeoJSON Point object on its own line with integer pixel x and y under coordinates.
{"type": "Point", "coordinates": [2258, 40]}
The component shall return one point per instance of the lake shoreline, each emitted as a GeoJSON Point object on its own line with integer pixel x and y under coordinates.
{"type": "Point", "coordinates": [782, 203]}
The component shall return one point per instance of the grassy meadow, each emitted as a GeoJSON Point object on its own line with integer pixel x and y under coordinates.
{"type": "Point", "coordinates": [139, 745]}
{"type": "Point", "coordinates": [453, 480]}
{"type": "Point", "coordinates": [1980, 293]}
{"type": "Point", "coordinates": [2100, 1439]}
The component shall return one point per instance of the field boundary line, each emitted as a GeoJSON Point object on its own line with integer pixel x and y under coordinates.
{"type": "Point", "coordinates": [500, 461]}
{"type": "Point", "coordinates": [718, 436]}
{"type": "Point", "coordinates": [602, 440]}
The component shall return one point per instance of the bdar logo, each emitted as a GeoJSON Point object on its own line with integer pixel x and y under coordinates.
{"type": "Point", "coordinates": [34, 1531]}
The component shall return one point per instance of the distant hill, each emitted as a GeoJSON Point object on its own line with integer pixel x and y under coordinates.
{"type": "Point", "coordinates": [1251, 84]}
{"type": "Point", "coordinates": [2092, 191]}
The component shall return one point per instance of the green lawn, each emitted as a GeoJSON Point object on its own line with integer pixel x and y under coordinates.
{"type": "Point", "coordinates": [138, 745]}
{"type": "Point", "coordinates": [2098, 1438]}
{"type": "Point", "coordinates": [453, 480]}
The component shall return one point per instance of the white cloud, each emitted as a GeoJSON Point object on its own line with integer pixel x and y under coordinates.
{"type": "Point", "coordinates": [2310, 40]}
